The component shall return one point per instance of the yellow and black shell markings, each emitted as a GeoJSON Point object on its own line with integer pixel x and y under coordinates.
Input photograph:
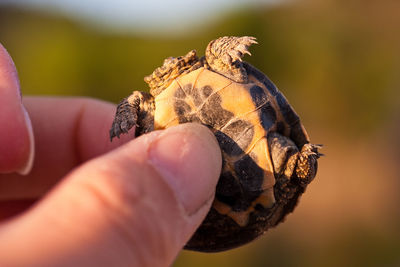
{"type": "Point", "coordinates": [229, 110]}
{"type": "Point", "coordinates": [267, 158]}
{"type": "Point", "coordinates": [240, 115]}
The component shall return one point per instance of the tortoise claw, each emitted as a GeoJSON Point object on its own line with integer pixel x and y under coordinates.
{"type": "Point", "coordinates": [120, 127]}
{"type": "Point", "coordinates": [224, 56]}
{"type": "Point", "coordinates": [315, 148]}
{"type": "Point", "coordinates": [114, 132]}
{"type": "Point", "coordinates": [239, 46]}
{"type": "Point", "coordinates": [312, 149]}
{"type": "Point", "coordinates": [125, 119]}
{"type": "Point", "coordinates": [307, 163]}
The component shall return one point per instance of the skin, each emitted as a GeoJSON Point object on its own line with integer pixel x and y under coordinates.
{"type": "Point", "coordinates": [87, 202]}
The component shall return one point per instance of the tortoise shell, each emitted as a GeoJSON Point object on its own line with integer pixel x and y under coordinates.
{"type": "Point", "coordinates": [267, 158]}
{"type": "Point", "coordinates": [241, 116]}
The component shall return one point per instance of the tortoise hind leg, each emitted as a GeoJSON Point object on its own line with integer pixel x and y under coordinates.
{"type": "Point", "coordinates": [284, 154]}
{"type": "Point", "coordinates": [135, 110]}
{"type": "Point", "coordinates": [307, 164]}
{"type": "Point", "coordinates": [224, 55]}
{"type": "Point", "coordinates": [287, 159]}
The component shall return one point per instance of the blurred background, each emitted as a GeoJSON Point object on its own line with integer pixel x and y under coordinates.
{"type": "Point", "coordinates": [337, 61]}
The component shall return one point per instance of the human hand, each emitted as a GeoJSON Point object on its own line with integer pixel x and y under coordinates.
{"type": "Point", "coordinates": [135, 205]}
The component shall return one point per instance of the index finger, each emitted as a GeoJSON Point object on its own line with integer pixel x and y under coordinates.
{"type": "Point", "coordinates": [16, 141]}
{"type": "Point", "coordinates": [68, 132]}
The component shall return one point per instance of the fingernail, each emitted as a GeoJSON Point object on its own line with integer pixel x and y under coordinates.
{"type": "Point", "coordinates": [189, 159]}
{"type": "Point", "coordinates": [27, 167]}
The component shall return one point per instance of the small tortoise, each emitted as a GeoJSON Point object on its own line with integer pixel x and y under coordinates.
{"type": "Point", "coordinates": [267, 158]}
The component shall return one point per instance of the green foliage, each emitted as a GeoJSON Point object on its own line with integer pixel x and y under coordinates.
{"type": "Point", "coordinates": [336, 70]}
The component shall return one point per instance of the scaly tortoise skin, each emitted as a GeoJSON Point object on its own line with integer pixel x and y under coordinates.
{"type": "Point", "coordinates": [267, 158]}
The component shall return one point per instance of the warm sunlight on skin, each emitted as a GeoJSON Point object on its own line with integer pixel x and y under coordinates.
{"type": "Point", "coordinates": [106, 206]}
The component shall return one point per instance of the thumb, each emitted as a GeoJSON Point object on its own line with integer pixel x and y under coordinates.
{"type": "Point", "coordinates": [137, 205]}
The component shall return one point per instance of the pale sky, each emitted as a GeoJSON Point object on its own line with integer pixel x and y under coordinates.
{"type": "Point", "coordinates": [152, 15]}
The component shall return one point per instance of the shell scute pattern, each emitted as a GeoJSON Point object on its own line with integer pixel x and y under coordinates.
{"type": "Point", "coordinates": [238, 129]}
{"type": "Point", "coordinates": [267, 158]}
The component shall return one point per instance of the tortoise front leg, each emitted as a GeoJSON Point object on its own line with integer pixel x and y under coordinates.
{"type": "Point", "coordinates": [135, 110]}
{"type": "Point", "coordinates": [224, 55]}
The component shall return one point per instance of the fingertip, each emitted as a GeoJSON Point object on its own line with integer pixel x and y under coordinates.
{"type": "Point", "coordinates": [16, 135]}
{"type": "Point", "coordinates": [8, 72]}
{"type": "Point", "coordinates": [189, 159]}
{"type": "Point", "coordinates": [27, 163]}
{"type": "Point", "coordinates": [149, 194]}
